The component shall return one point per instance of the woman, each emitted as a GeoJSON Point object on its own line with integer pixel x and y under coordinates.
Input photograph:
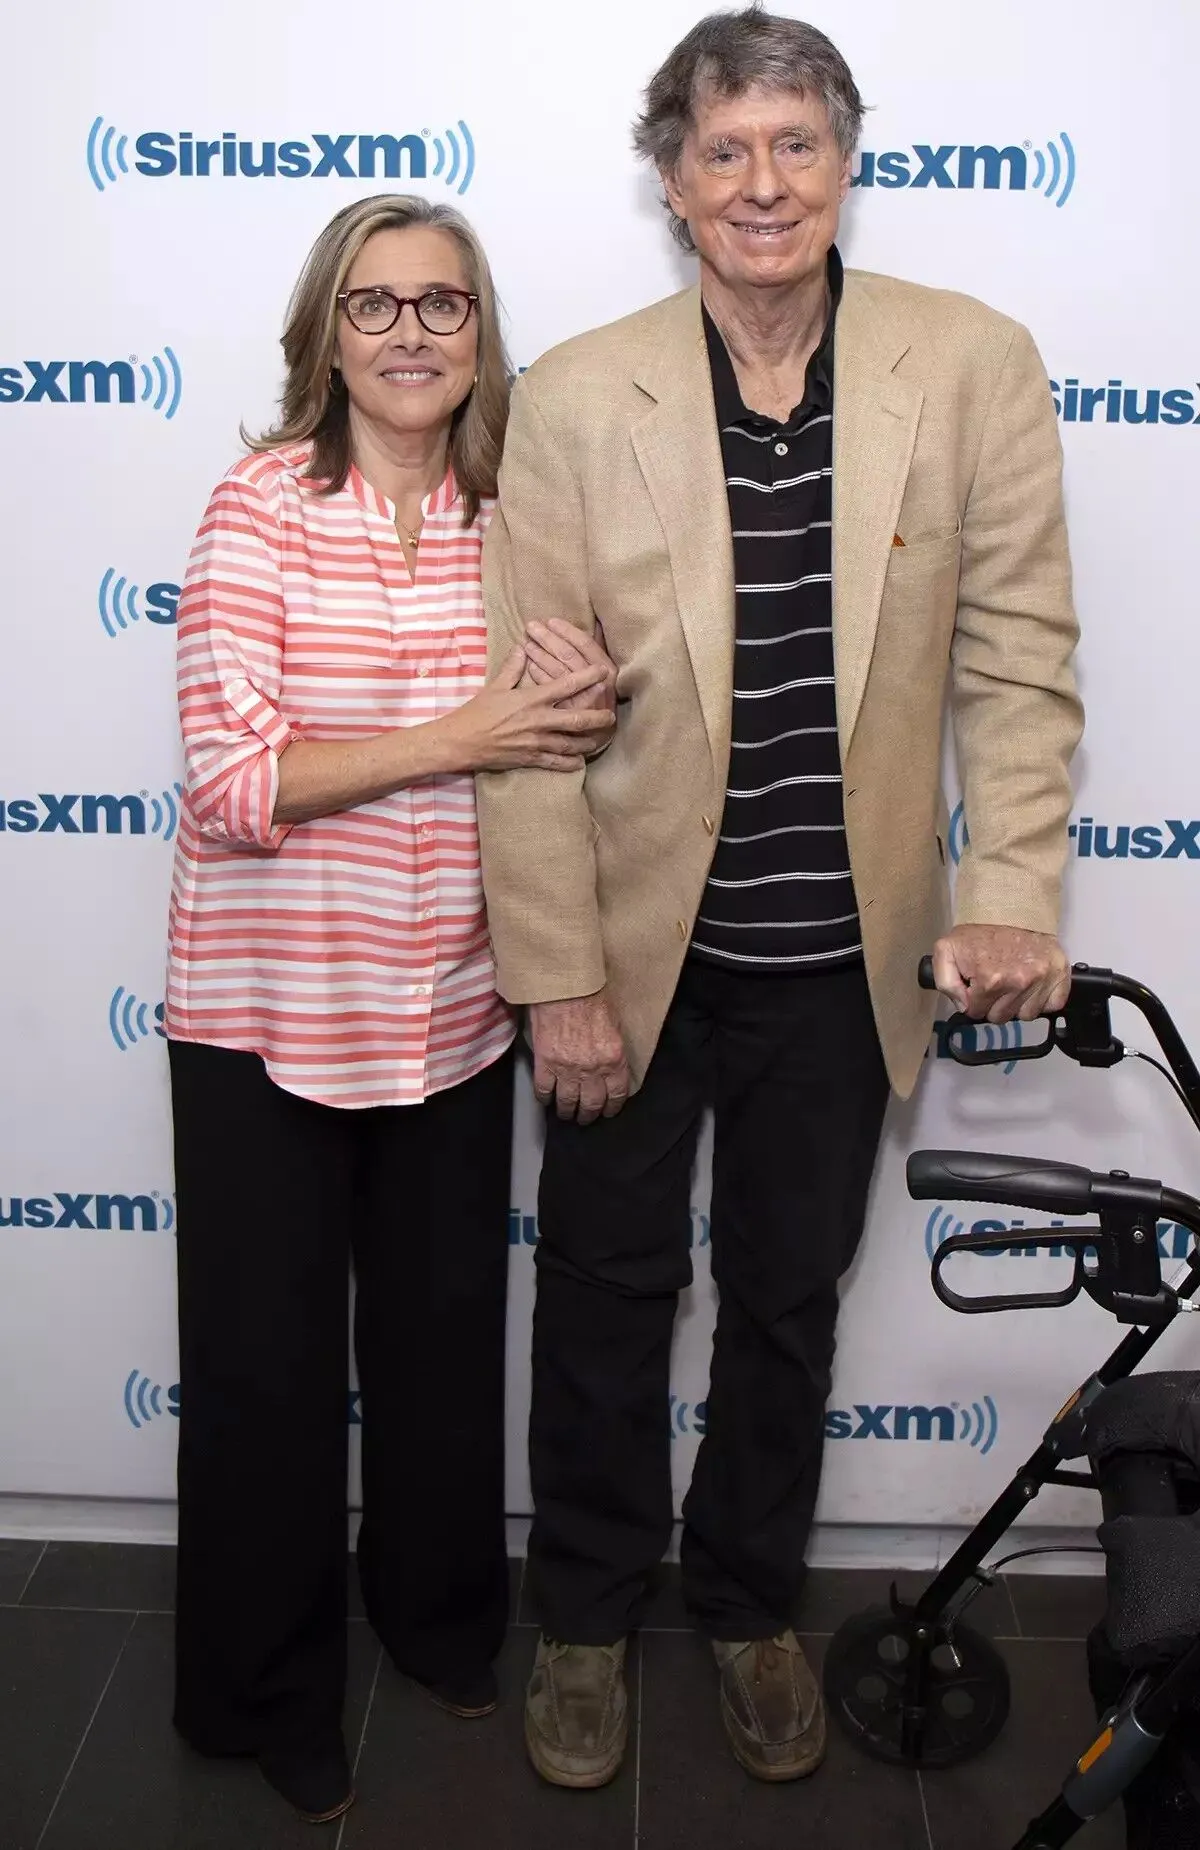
{"type": "Point", "coordinates": [341, 1066]}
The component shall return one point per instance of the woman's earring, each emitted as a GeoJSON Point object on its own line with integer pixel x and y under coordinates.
{"type": "Point", "coordinates": [336, 382]}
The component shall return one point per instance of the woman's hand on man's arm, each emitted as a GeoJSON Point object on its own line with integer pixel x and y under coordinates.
{"type": "Point", "coordinates": [505, 727]}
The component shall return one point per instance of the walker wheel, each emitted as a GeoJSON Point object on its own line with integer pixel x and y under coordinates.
{"type": "Point", "coordinates": [966, 1696]}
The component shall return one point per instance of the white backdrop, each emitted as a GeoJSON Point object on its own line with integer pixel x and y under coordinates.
{"type": "Point", "coordinates": [151, 296]}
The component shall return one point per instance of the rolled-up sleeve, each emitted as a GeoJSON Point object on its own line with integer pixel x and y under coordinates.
{"type": "Point", "coordinates": [230, 668]}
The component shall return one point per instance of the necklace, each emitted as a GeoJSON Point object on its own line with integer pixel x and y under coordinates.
{"type": "Point", "coordinates": [414, 539]}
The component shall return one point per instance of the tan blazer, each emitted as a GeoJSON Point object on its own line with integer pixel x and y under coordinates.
{"type": "Point", "coordinates": [613, 506]}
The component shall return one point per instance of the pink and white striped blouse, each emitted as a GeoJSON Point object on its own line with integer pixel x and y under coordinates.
{"type": "Point", "coordinates": [351, 951]}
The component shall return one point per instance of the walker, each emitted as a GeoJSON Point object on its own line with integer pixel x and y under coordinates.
{"type": "Point", "coordinates": [913, 1684]}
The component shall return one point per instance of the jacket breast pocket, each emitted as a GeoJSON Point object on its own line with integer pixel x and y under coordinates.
{"type": "Point", "coordinates": [916, 557]}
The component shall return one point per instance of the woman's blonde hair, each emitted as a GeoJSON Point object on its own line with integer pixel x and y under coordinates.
{"type": "Point", "coordinates": [310, 406]}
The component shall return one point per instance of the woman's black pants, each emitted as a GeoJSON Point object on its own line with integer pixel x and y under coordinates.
{"type": "Point", "coordinates": [277, 1196]}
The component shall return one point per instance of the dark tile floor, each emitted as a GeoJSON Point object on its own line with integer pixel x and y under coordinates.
{"type": "Point", "coordinates": [88, 1759]}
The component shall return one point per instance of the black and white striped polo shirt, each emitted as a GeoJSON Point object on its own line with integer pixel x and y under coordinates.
{"type": "Point", "coordinates": [780, 896]}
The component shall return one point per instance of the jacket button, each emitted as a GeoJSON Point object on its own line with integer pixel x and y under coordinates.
{"type": "Point", "coordinates": [708, 824]}
{"type": "Point", "coordinates": [681, 928]}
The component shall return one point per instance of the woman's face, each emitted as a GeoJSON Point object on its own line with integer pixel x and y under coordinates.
{"type": "Point", "coordinates": [407, 379]}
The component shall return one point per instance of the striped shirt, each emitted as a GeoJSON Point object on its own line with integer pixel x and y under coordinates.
{"type": "Point", "coordinates": [780, 895]}
{"type": "Point", "coordinates": [350, 951]}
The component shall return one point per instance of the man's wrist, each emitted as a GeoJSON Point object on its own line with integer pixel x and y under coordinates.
{"type": "Point", "coordinates": [568, 1002]}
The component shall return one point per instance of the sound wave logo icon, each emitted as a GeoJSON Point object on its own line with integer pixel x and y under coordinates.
{"type": "Point", "coordinates": [131, 1021]}
{"type": "Point", "coordinates": [144, 1400]}
{"type": "Point", "coordinates": [980, 1037]}
{"type": "Point", "coordinates": [940, 1227]}
{"type": "Point", "coordinates": [101, 154]}
{"type": "Point", "coordinates": [688, 1418]}
{"type": "Point", "coordinates": [957, 835]}
{"type": "Point", "coordinates": [162, 382]}
{"type": "Point", "coordinates": [990, 1037]}
{"type": "Point", "coordinates": [118, 603]}
{"type": "Point", "coordinates": [978, 1424]}
{"type": "Point", "coordinates": [452, 162]}
{"type": "Point", "coordinates": [121, 602]}
{"type": "Point", "coordinates": [1054, 171]}
{"type": "Point", "coordinates": [164, 812]}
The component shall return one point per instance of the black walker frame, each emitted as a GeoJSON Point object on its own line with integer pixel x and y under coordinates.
{"type": "Point", "coordinates": [911, 1683]}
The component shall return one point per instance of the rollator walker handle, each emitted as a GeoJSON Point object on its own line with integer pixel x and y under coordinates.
{"type": "Point", "coordinates": [1025, 1181]}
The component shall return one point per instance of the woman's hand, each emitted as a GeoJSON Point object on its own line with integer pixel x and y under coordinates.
{"type": "Point", "coordinates": [544, 727]}
{"type": "Point", "coordinates": [556, 649]}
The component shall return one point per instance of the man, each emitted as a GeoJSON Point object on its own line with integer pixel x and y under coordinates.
{"type": "Point", "coordinates": [802, 504]}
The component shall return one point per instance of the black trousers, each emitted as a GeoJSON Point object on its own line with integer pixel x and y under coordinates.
{"type": "Point", "coordinates": [275, 1194]}
{"type": "Point", "coordinates": [793, 1069]}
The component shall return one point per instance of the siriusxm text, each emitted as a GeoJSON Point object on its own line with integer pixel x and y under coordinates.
{"type": "Point", "coordinates": [75, 814]}
{"type": "Point", "coordinates": [87, 1213]}
{"type": "Point", "coordinates": [1114, 402]}
{"type": "Point", "coordinates": [316, 157]}
{"type": "Point", "coordinates": [891, 1422]}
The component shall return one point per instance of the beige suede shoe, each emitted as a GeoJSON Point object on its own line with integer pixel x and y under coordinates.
{"type": "Point", "coordinates": [771, 1706]}
{"type": "Point", "coordinates": [576, 1713]}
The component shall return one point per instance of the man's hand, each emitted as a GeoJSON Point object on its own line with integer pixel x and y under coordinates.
{"type": "Point", "coordinates": [995, 972]}
{"type": "Point", "coordinates": [579, 1058]}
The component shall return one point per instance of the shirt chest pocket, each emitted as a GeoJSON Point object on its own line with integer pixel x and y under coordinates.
{"type": "Point", "coordinates": [434, 668]}
{"type": "Point", "coordinates": [345, 680]}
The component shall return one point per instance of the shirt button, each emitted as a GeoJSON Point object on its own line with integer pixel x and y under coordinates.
{"type": "Point", "coordinates": [427, 912]}
{"type": "Point", "coordinates": [423, 670]}
{"type": "Point", "coordinates": [422, 989]}
{"type": "Point", "coordinates": [681, 928]}
{"type": "Point", "coordinates": [708, 824]}
{"type": "Point", "coordinates": [781, 449]}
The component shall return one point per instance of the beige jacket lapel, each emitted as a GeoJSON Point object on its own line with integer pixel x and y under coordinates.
{"type": "Point", "coordinates": [679, 452]}
{"type": "Point", "coordinates": [875, 420]}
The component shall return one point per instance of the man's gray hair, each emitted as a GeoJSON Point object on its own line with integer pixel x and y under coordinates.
{"type": "Point", "coordinates": [727, 54]}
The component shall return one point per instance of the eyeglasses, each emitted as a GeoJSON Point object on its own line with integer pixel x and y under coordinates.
{"type": "Point", "coordinates": [375, 311]}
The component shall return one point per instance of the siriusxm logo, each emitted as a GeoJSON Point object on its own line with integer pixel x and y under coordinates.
{"type": "Point", "coordinates": [144, 1400]}
{"type": "Point", "coordinates": [1114, 402]}
{"type": "Point", "coordinates": [147, 1400]}
{"type": "Point", "coordinates": [976, 1424]}
{"type": "Point", "coordinates": [96, 382]}
{"type": "Point", "coordinates": [966, 167]}
{"type": "Point", "coordinates": [689, 1419]}
{"type": "Point", "coordinates": [118, 602]}
{"type": "Point", "coordinates": [150, 1213]}
{"type": "Point", "coordinates": [130, 1021]}
{"type": "Point", "coordinates": [977, 1037]}
{"type": "Point", "coordinates": [159, 155]}
{"type": "Point", "coordinates": [523, 1229]}
{"type": "Point", "coordinates": [957, 834]}
{"type": "Point", "coordinates": [1172, 839]}
{"type": "Point", "coordinates": [92, 815]}
{"type": "Point", "coordinates": [1174, 1241]}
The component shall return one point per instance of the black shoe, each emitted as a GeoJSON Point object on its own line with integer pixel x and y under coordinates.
{"type": "Point", "coordinates": [317, 1783]}
{"type": "Point", "coordinates": [469, 1693]}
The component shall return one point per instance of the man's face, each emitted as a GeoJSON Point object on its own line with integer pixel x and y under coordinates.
{"type": "Point", "coordinates": [760, 183]}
